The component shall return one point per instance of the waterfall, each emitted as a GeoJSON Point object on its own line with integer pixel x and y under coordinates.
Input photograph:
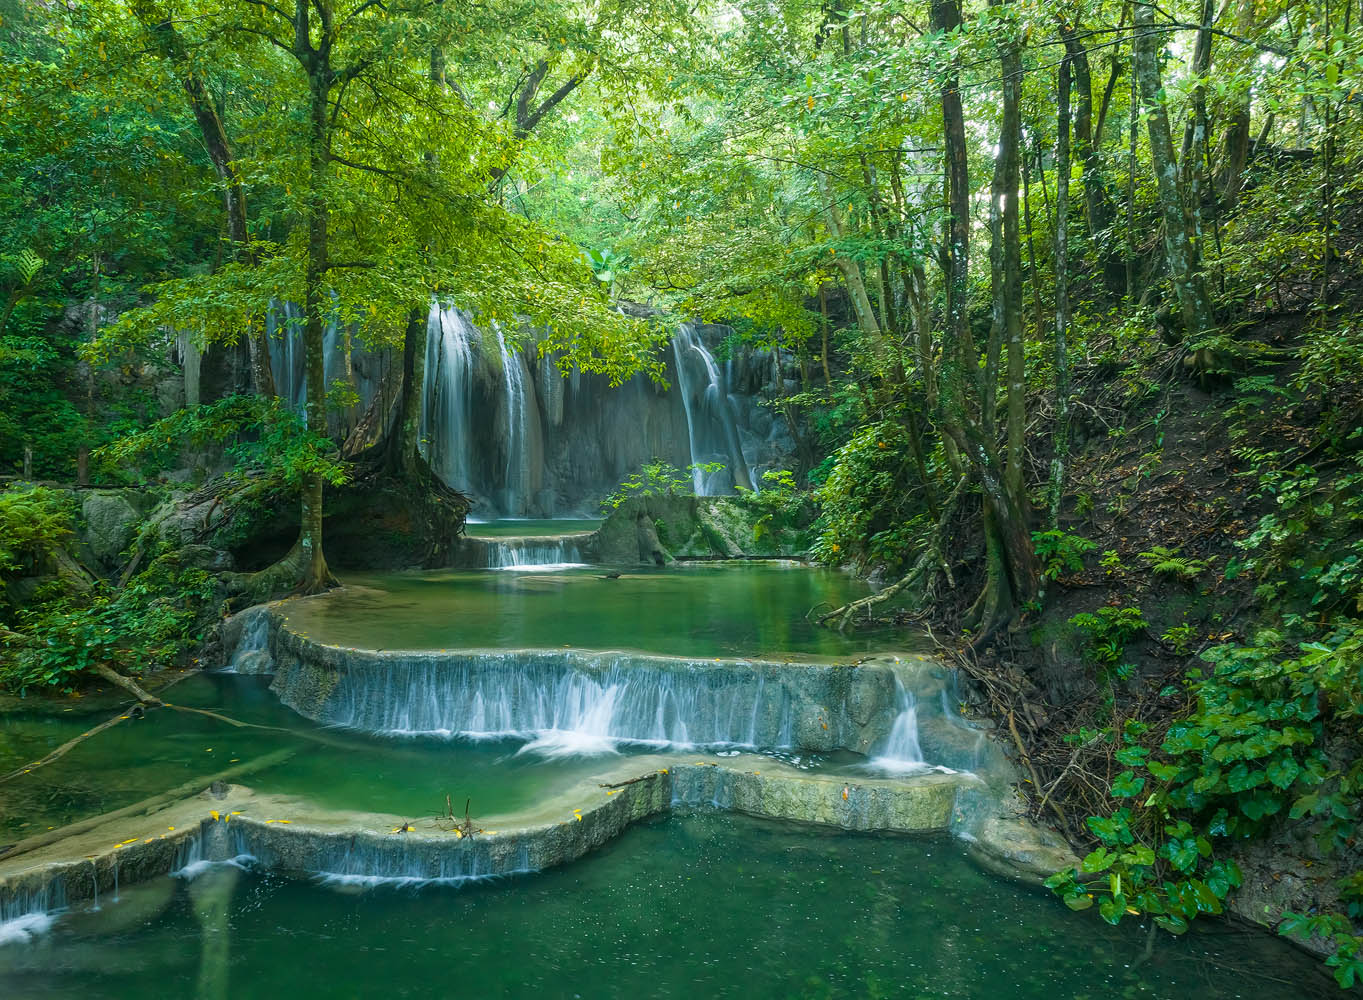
{"type": "Point", "coordinates": [191, 360]}
{"type": "Point", "coordinates": [709, 415]}
{"type": "Point", "coordinates": [447, 396]}
{"type": "Point", "coordinates": [530, 553]}
{"type": "Point", "coordinates": [28, 914]}
{"type": "Point", "coordinates": [565, 703]}
{"type": "Point", "coordinates": [517, 484]}
{"type": "Point", "coordinates": [902, 752]}
{"type": "Point", "coordinates": [343, 358]}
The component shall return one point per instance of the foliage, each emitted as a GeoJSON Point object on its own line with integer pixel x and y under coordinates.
{"type": "Point", "coordinates": [1167, 562]}
{"type": "Point", "coordinates": [266, 440]}
{"type": "Point", "coordinates": [1251, 750]}
{"type": "Point", "coordinates": [1060, 552]}
{"type": "Point", "coordinates": [779, 504]}
{"type": "Point", "coordinates": [1107, 632]}
{"type": "Point", "coordinates": [868, 515]}
{"type": "Point", "coordinates": [658, 478]}
{"type": "Point", "coordinates": [148, 624]}
{"type": "Point", "coordinates": [33, 521]}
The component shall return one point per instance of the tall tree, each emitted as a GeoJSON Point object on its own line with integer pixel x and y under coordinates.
{"type": "Point", "coordinates": [1180, 249]}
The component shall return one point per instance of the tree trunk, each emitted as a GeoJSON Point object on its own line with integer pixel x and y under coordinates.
{"type": "Point", "coordinates": [851, 270]}
{"type": "Point", "coordinates": [1010, 143]}
{"type": "Point", "coordinates": [1062, 295]}
{"type": "Point", "coordinates": [162, 29]}
{"type": "Point", "coordinates": [315, 574]}
{"type": "Point", "coordinates": [1235, 148]}
{"type": "Point", "coordinates": [961, 392]}
{"type": "Point", "coordinates": [1180, 250]}
{"type": "Point", "coordinates": [404, 451]}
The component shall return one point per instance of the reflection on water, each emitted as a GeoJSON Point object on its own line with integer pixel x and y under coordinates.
{"type": "Point", "coordinates": [700, 906]}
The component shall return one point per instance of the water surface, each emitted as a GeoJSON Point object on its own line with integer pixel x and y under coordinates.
{"type": "Point", "coordinates": [528, 528]}
{"type": "Point", "coordinates": [698, 906]}
{"type": "Point", "coordinates": [336, 768]}
{"type": "Point", "coordinates": [712, 609]}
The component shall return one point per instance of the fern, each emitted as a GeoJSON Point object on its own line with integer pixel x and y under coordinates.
{"type": "Point", "coordinates": [1167, 562]}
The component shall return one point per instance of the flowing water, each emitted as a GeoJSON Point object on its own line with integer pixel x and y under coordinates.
{"type": "Point", "coordinates": [695, 906]}
{"type": "Point", "coordinates": [751, 609]}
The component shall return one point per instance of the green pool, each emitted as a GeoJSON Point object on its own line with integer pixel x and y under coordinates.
{"type": "Point", "coordinates": [727, 609]}
{"type": "Point", "coordinates": [697, 906]}
{"type": "Point", "coordinates": [337, 769]}
{"type": "Point", "coordinates": [516, 528]}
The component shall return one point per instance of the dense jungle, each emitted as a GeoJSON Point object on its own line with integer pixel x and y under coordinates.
{"type": "Point", "coordinates": [932, 428]}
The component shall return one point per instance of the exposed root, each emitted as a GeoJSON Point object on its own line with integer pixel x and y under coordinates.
{"type": "Point", "coordinates": [920, 577]}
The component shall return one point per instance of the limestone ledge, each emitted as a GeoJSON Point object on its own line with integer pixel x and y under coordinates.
{"type": "Point", "coordinates": [291, 833]}
{"type": "Point", "coordinates": [833, 705]}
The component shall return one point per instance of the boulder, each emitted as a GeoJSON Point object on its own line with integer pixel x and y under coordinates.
{"type": "Point", "coordinates": [111, 519]}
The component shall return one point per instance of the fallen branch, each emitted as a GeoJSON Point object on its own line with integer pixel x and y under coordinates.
{"type": "Point", "coordinates": [127, 684]}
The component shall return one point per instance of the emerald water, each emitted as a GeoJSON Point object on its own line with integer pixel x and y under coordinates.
{"type": "Point", "coordinates": [337, 769]}
{"type": "Point", "coordinates": [703, 905]}
{"type": "Point", "coordinates": [527, 528]}
{"type": "Point", "coordinates": [725, 609]}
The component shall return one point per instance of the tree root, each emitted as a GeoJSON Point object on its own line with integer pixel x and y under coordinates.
{"type": "Point", "coordinates": [929, 561]}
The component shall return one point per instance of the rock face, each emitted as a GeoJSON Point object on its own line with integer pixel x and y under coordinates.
{"type": "Point", "coordinates": [111, 519]}
{"type": "Point", "coordinates": [507, 427]}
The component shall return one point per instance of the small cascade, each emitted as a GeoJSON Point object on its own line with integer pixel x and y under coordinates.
{"type": "Point", "coordinates": [194, 856]}
{"type": "Point", "coordinates": [29, 914]}
{"type": "Point", "coordinates": [902, 753]}
{"type": "Point", "coordinates": [367, 862]}
{"type": "Point", "coordinates": [709, 416]}
{"type": "Point", "coordinates": [252, 654]}
{"type": "Point", "coordinates": [531, 553]}
{"type": "Point", "coordinates": [447, 396]}
{"type": "Point", "coordinates": [565, 703]}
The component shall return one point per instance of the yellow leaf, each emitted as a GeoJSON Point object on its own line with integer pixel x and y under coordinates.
{"type": "Point", "coordinates": [810, 103]}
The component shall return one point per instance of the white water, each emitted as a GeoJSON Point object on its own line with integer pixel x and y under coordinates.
{"type": "Point", "coordinates": [447, 396]}
{"type": "Point", "coordinates": [252, 655]}
{"type": "Point", "coordinates": [29, 915]}
{"type": "Point", "coordinates": [517, 483]}
{"type": "Point", "coordinates": [565, 709]}
{"type": "Point", "coordinates": [531, 553]}
{"type": "Point", "coordinates": [902, 753]}
{"type": "Point", "coordinates": [709, 416]}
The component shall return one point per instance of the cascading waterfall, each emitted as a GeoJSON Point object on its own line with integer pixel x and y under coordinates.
{"type": "Point", "coordinates": [517, 483]}
{"type": "Point", "coordinates": [543, 445]}
{"type": "Point", "coordinates": [343, 357]}
{"type": "Point", "coordinates": [709, 415]}
{"type": "Point", "coordinates": [584, 707]}
{"type": "Point", "coordinates": [359, 862]}
{"type": "Point", "coordinates": [447, 396]}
